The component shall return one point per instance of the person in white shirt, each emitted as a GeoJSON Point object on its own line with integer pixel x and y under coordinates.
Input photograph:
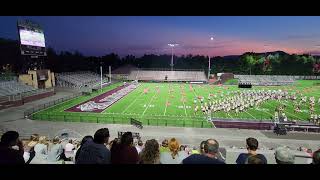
{"type": "Point", "coordinates": [41, 151]}
{"type": "Point", "coordinates": [139, 147]}
{"type": "Point", "coordinates": [41, 148]}
{"type": "Point", "coordinates": [69, 149]}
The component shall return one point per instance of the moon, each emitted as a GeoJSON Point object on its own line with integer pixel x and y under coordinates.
{"type": "Point", "coordinates": [211, 38]}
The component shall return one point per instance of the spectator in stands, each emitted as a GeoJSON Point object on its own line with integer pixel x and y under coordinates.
{"type": "Point", "coordinates": [182, 148]}
{"type": "Point", "coordinates": [284, 155]}
{"type": "Point", "coordinates": [139, 146]}
{"type": "Point", "coordinates": [55, 152]}
{"type": "Point", "coordinates": [202, 147]}
{"type": "Point", "coordinates": [195, 150]}
{"type": "Point", "coordinates": [29, 152]}
{"type": "Point", "coordinates": [316, 157]}
{"type": "Point", "coordinates": [174, 156]}
{"type": "Point", "coordinates": [252, 146]}
{"type": "Point", "coordinates": [115, 141]}
{"type": "Point", "coordinates": [95, 152]}
{"type": "Point", "coordinates": [256, 159]}
{"type": "Point", "coordinates": [41, 149]}
{"type": "Point", "coordinates": [124, 152]}
{"type": "Point", "coordinates": [309, 152]}
{"type": "Point", "coordinates": [150, 154]}
{"type": "Point", "coordinates": [164, 146]}
{"type": "Point", "coordinates": [8, 152]}
{"type": "Point", "coordinates": [69, 149]}
{"type": "Point", "coordinates": [209, 154]}
{"type": "Point", "coordinates": [84, 140]}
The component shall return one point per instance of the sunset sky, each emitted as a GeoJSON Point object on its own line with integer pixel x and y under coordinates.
{"type": "Point", "coordinates": [138, 35]}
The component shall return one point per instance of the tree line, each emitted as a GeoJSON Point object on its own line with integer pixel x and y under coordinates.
{"type": "Point", "coordinates": [277, 63]}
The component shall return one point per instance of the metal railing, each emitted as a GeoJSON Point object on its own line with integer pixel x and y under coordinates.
{"type": "Point", "coordinates": [114, 119]}
{"type": "Point", "coordinates": [40, 107]}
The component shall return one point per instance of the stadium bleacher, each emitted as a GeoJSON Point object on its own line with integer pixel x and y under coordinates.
{"type": "Point", "coordinates": [8, 88]}
{"type": "Point", "coordinates": [78, 80]}
{"type": "Point", "coordinates": [265, 80]}
{"type": "Point", "coordinates": [159, 75]}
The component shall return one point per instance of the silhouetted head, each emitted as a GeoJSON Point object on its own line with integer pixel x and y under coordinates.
{"type": "Point", "coordinates": [316, 157]}
{"type": "Point", "coordinates": [127, 139]}
{"type": "Point", "coordinates": [101, 136]}
{"type": "Point", "coordinates": [86, 139]}
{"type": "Point", "coordinates": [10, 138]}
{"type": "Point", "coordinates": [252, 144]}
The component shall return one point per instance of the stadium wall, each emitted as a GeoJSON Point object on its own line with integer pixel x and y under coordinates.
{"type": "Point", "coordinates": [23, 100]}
{"type": "Point", "coordinates": [38, 96]}
{"type": "Point", "coordinates": [243, 124]}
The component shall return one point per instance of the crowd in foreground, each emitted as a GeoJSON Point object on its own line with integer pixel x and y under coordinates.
{"type": "Point", "coordinates": [123, 150]}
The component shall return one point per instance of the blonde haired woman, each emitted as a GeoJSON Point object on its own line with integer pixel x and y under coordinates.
{"type": "Point", "coordinates": [41, 148]}
{"type": "Point", "coordinates": [174, 156]}
{"type": "Point", "coordinates": [29, 152]}
{"type": "Point", "coordinates": [41, 151]}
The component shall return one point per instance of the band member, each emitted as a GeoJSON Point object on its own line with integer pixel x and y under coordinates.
{"type": "Point", "coordinates": [202, 100]}
{"type": "Point", "coordinates": [203, 110]}
{"type": "Point", "coordinates": [196, 110]}
{"type": "Point", "coordinates": [195, 101]}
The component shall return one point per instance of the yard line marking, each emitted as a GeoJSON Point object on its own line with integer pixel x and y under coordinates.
{"type": "Point", "coordinates": [293, 115]}
{"type": "Point", "coordinates": [250, 114]}
{"type": "Point", "coordinates": [230, 116]}
{"type": "Point", "coordinates": [184, 107]}
{"type": "Point", "coordinates": [165, 110]}
{"type": "Point", "coordinates": [132, 103]}
{"type": "Point", "coordinates": [264, 112]}
{"type": "Point", "coordinates": [148, 104]}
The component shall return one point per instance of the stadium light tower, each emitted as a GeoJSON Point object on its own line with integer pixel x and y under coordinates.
{"type": "Point", "coordinates": [265, 48]}
{"type": "Point", "coordinates": [209, 67]}
{"type": "Point", "coordinates": [172, 46]}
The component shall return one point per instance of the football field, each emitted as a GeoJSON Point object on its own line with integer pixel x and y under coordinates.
{"type": "Point", "coordinates": [173, 104]}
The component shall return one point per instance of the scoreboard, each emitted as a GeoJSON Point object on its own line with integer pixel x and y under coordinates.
{"type": "Point", "coordinates": [32, 39]}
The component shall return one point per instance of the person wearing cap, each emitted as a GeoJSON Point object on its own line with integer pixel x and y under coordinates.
{"type": "Point", "coordinates": [209, 154]}
{"type": "Point", "coordinates": [284, 155]}
{"type": "Point", "coordinates": [252, 146]}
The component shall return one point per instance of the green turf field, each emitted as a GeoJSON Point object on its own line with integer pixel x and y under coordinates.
{"type": "Point", "coordinates": [163, 105]}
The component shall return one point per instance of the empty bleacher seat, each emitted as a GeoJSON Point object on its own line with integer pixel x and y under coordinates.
{"type": "Point", "coordinates": [171, 75]}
